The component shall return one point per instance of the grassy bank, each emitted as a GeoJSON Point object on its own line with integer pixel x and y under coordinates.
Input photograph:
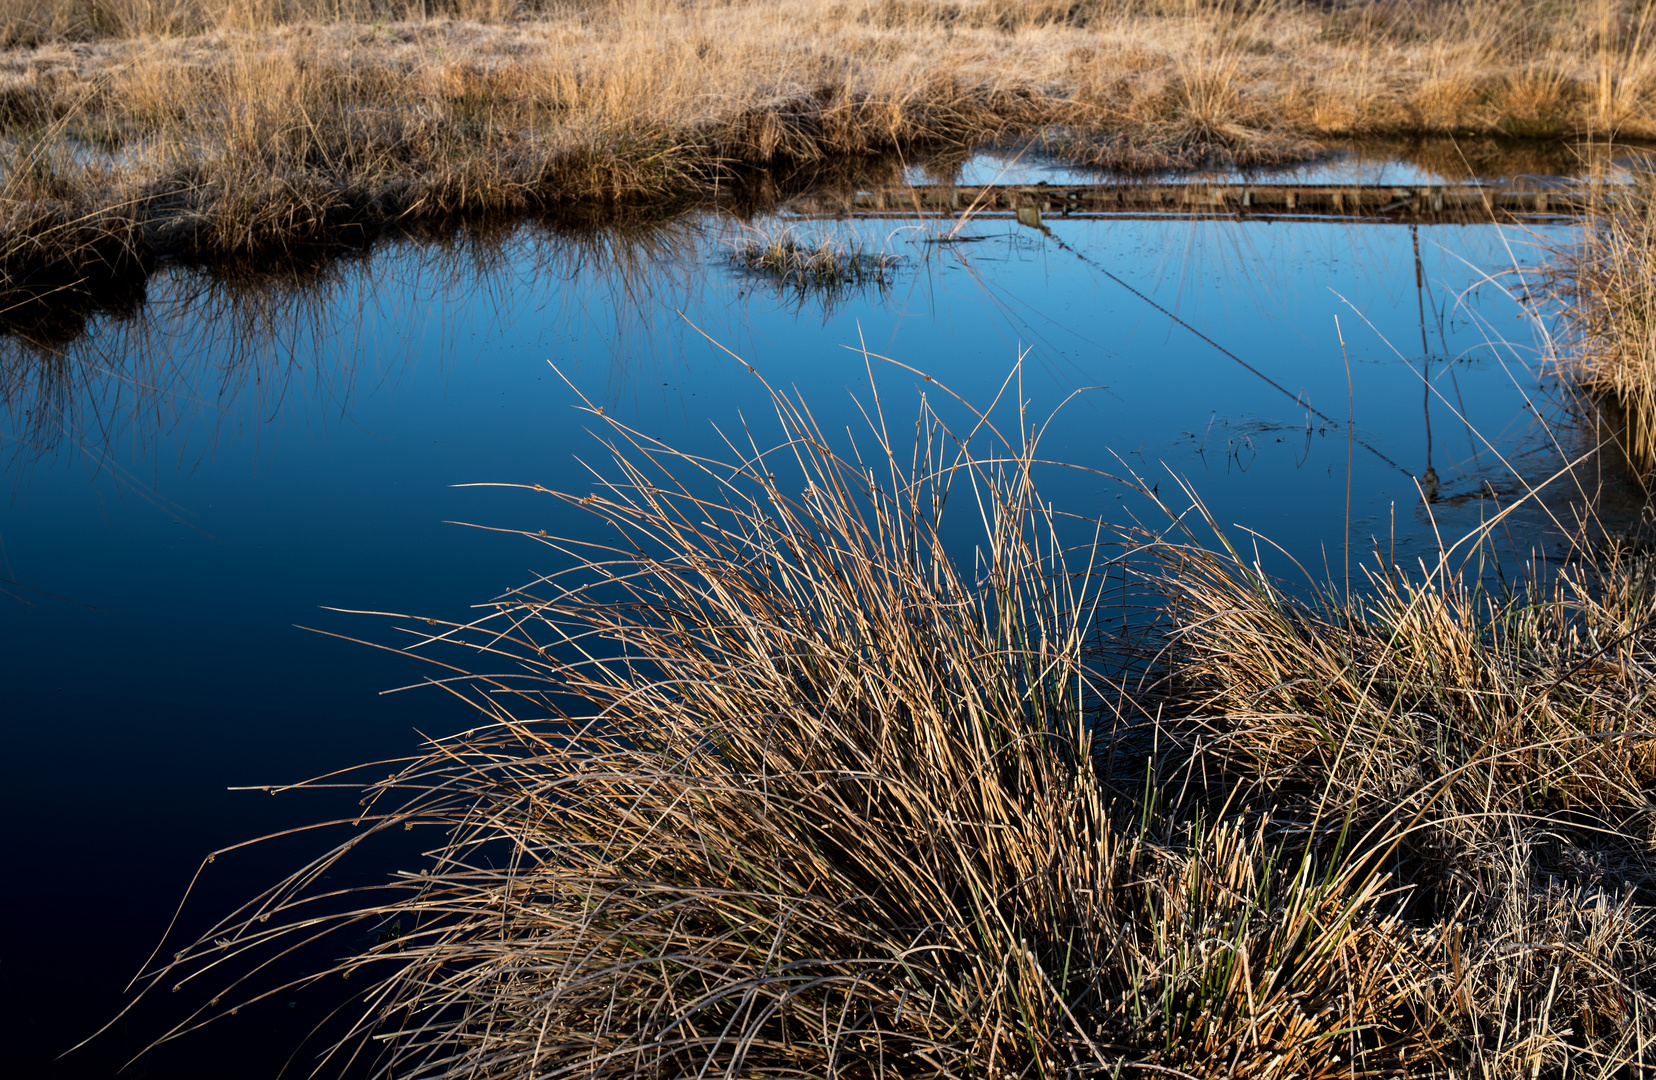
{"type": "Point", "coordinates": [1606, 284]}
{"type": "Point", "coordinates": [130, 128]}
{"type": "Point", "coordinates": [777, 783]}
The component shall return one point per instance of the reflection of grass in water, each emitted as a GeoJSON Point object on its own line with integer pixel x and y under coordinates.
{"type": "Point", "coordinates": [132, 380]}
{"type": "Point", "coordinates": [825, 802]}
{"type": "Point", "coordinates": [218, 343]}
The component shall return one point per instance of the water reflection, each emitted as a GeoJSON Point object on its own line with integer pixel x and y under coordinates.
{"type": "Point", "coordinates": [208, 353]}
{"type": "Point", "coordinates": [216, 353]}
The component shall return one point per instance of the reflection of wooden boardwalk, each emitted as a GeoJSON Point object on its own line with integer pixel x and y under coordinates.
{"type": "Point", "coordinates": [1537, 201]}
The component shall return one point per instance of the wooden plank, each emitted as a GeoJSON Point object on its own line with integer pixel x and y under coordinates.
{"type": "Point", "coordinates": [1389, 202]}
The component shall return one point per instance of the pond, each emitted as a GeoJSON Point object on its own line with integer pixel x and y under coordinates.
{"type": "Point", "coordinates": [203, 486]}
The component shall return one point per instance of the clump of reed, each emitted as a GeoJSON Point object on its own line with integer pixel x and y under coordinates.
{"type": "Point", "coordinates": [821, 266]}
{"type": "Point", "coordinates": [772, 782]}
{"type": "Point", "coordinates": [1607, 284]}
{"type": "Point", "coordinates": [64, 261]}
{"type": "Point", "coordinates": [1490, 741]}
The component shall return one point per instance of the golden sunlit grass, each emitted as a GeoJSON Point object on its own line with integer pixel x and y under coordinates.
{"type": "Point", "coordinates": [214, 127]}
{"type": "Point", "coordinates": [786, 778]}
{"type": "Point", "coordinates": [1607, 284]}
{"type": "Point", "coordinates": [1492, 745]}
{"type": "Point", "coordinates": [786, 775]}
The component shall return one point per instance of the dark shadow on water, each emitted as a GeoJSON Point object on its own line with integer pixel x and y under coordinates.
{"type": "Point", "coordinates": [47, 313]}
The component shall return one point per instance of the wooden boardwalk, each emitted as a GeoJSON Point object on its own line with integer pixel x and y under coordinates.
{"type": "Point", "coordinates": [1540, 201]}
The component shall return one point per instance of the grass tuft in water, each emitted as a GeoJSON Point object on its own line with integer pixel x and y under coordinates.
{"type": "Point", "coordinates": [775, 783]}
{"type": "Point", "coordinates": [823, 265]}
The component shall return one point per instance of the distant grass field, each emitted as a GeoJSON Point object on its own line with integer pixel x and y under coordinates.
{"type": "Point", "coordinates": [215, 128]}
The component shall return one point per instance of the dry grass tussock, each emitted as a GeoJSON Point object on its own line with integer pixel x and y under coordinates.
{"type": "Point", "coordinates": [220, 127]}
{"type": "Point", "coordinates": [1606, 283]}
{"type": "Point", "coordinates": [775, 782]}
{"type": "Point", "coordinates": [822, 267]}
{"type": "Point", "coordinates": [1491, 744]}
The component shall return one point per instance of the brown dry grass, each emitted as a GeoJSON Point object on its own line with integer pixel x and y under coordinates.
{"type": "Point", "coordinates": [1607, 285]}
{"type": "Point", "coordinates": [1497, 739]}
{"type": "Point", "coordinates": [823, 269]}
{"type": "Point", "coordinates": [770, 786]}
{"type": "Point", "coordinates": [218, 127]}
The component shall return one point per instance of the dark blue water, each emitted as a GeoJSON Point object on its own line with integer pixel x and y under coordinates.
{"type": "Point", "coordinates": [191, 485]}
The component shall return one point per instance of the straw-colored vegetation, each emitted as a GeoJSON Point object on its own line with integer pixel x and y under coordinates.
{"type": "Point", "coordinates": [1491, 750]}
{"type": "Point", "coordinates": [781, 779]}
{"type": "Point", "coordinates": [218, 127]}
{"type": "Point", "coordinates": [1607, 284]}
{"type": "Point", "coordinates": [822, 267]}
{"type": "Point", "coordinates": [781, 782]}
